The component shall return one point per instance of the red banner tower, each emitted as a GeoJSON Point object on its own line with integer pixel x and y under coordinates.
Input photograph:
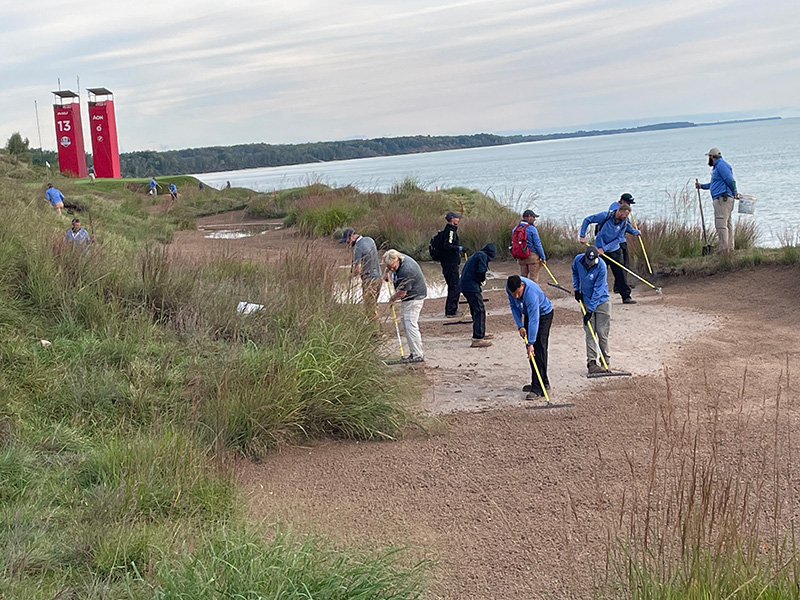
{"type": "Point", "coordinates": [69, 133]}
{"type": "Point", "coordinates": [103, 125]}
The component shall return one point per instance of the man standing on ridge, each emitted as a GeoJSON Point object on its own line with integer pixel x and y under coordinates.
{"type": "Point", "coordinates": [591, 288]}
{"type": "Point", "coordinates": [473, 276]}
{"type": "Point", "coordinates": [366, 266]}
{"type": "Point", "coordinates": [533, 315]}
{"type": "Point", "coordinates": [723, 191]}
{"type": "Point", "coordinates": [410, 289]}
{"type": "Point", "coordinates": [153, 187]}
{"type": "Point", "coordinates": [55, 197]}
{"type": "Point", "coordinates": [173, 191]}
{"type": "Point", "coordinates": [531, 257]}
{"type": "Point", "coordinates": [611, 230]}
{"type": "Point", "coordinates": [451, 259]}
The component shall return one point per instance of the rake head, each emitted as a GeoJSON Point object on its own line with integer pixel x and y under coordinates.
{"type": "Point", "coordinates": [550, 405]}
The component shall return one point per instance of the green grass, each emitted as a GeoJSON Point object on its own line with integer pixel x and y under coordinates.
{"type": "Point", "coordinates": [117, 435]}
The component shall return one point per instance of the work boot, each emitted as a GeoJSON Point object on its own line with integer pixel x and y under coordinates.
{"type": "Point", "coordinates": [534, 395]}
{"type": "Point", "coordinates": [488, 336]}
{"type": "Point", "coordinates": [628, 300]}
{"type": "Point", "coordinates": [594, 368]}
{"type": "Point", "coordinates": [480, 343]}
{"type": "Point", "coordinates": [526, 387]}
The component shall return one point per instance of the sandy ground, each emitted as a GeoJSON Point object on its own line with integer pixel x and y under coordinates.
{"type": "Point", "coordinates": [517, 503]}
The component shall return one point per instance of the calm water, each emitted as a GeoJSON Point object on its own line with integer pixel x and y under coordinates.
{"type": "Point", "coordinates": [566, 180]}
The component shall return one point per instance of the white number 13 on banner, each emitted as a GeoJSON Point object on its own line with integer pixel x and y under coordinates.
{"type": "Point", "coordinates": [65, 126]}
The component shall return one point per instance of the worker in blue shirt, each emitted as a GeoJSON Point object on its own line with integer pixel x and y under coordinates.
{"type": "Point", "coordinates": [55, 197]}
{"type": "Point", "coordinates": [153, 186]}
{"type": "Point", "coordinates": [173, 191]}
{"type": "Point", "coordinates": [591, 288]}
{"type": "Point", "coordinates": [624, 199]}
{"type": "Point", "coordinates": [530, 266]}
{"type": "Point", "coordinates": [611, 230]}
{"type": "Point", "coordinates": [78, 235]}
{"type": "Point", "coordinates": [533, 315]}
{"type": "Point", "coordinates": [723, 191]}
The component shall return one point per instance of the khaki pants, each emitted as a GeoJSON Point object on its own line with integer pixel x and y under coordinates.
{"type": "Point", "coordinates": [411, 310]}
{"type": "Point", "coordinates": [369, 294]}
{"type": "Point", "coordinates": [530, 267]}
{"type": "Point", "coordinates": [601, 323]}
{"type": "Point", "coordinates": [723, 207]}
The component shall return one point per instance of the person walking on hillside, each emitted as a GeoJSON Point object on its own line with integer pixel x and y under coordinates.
{"type": "Point", "coordinates": [591, 287]}
{"type": "Point", "coordinates": [91, 174]}
{"type": "Point", "coordinates": [173, 191]}
{"type": "Point", "coordinates": [411, 290]}
{"type": "Point", "coordinates": [366, 266]}
{"type": "Point", "coordinates": [533, 315]}
{"type": "Point", "coordinates": [624, 199]}
{"type": "Point", "coordinates": [611, 230]}
{"type": "Point", "coordinates": [473, 276]}
{"type": "Point", "coordinates": [723, 192]}
{"type": "Point", "coordinates": [531, 257]}
{"type": "Point", "coordinates": [450, 258]}
{"type": "Point", "coordinates": [55, 197]}
{"type": "Point", "coordinates": [153, 187]}
{"type": "Point", "coordinates": [78, 236]}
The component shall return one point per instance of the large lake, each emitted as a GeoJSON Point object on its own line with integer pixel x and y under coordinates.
{"type": "Point", "coordinates": [566, 180]}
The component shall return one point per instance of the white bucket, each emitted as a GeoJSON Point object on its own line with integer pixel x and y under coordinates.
{"type": "Point", "coordinates": [747, 204]}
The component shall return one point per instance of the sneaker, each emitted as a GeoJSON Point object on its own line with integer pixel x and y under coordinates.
{"type": "Point", "coordinates": [480, 343]}
{"type": "Point", "coordinates": [534, 395]}
{"type": "Point", "coordinates": [628, 300]}
{"type": "Point", "coordinates": [594, 368]}
{"type": "Point", "coordinates": [526, 388]}
{"type": "Point", "coordinates": [451, 316]}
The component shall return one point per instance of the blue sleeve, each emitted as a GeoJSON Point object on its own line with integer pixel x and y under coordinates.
{"type": "Point", "coordinates": [593, 300]}
{"type": "Point", "coordinates": [705, 186]}
{"type": "Point", "coordinates": [598, 218]}
{"type": "Point", "coordinates": [726, 173]}
{"type": "Point", "coordinates": [532, 309]}
{"type": "Point", "coordinates": [535, 243]}
{"type": "Point", "coordinates": [576, 279]}
{"type": "Point", "coordinates": [514, 309]}
{"type": "Point", "coordinates": [630, 229]}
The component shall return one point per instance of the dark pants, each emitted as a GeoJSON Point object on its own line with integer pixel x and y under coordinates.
{"type": "Point", "coordinates": [625, 261]}
{"type": "Point", "coordinates": [540, 350]}
{"type": "Point", "coordinates": [620, 282]}
{"type": "Point", "coordinates": [451, 276]}
{"type": "Point", "coordinates": [478, 312]}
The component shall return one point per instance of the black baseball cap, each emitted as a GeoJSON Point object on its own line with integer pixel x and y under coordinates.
{"type": "Point", "coordinates": [529, 213]}
{"type": "Point", "coordinates": [452, 215]}
{"type": "Point", "coordinates": [346, 234]}
{"type": "Point", "coordinates": [591, 253]}
{"type": "Point", "coordinates": [627, 198]}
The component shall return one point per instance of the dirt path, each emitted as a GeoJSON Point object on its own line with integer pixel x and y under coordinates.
{"type": "Point", "coordinates": [515, 503]}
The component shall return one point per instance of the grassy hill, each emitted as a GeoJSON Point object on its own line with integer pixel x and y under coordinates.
{"type": "Point", "coordinates": [127, 384]}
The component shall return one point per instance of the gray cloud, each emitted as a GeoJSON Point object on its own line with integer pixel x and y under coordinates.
{"type": "Point", "coordinates": [200, 73]}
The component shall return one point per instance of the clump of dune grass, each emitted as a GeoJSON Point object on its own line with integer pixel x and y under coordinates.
{"type": "Point", "coordinates": [704, 517]}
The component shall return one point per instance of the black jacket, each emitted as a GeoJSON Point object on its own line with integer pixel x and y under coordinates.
{"type": "Point", "coordinates": [450, 253]}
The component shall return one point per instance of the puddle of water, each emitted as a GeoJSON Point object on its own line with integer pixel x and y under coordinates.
{"type": "Point", "coordinates": [239, 231]}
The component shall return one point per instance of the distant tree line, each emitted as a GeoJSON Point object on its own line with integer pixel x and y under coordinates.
{"type": "Point", "coordinates": [149, 163]}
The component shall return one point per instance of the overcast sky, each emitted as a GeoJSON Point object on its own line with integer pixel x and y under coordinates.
{"type": "Point", "coordinates": [205, 73]}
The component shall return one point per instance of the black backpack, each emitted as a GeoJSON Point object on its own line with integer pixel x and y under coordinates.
{"type": "Point", "coordinates": [435, 246]}
{"type": "Point", "coordinates": [598, 227]}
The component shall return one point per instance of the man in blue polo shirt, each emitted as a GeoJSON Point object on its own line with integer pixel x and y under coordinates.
{"type": "Point", "coordinates": [723, 191]}
{"type": "Point", "coordinates": [55, 197]}
{"type": "Point", "coordinates": [591, 288]}
{"type": "Point", "coordinates": [612, 227]}
{"type": "Point", "coordinates": [533, 315]}
{"type": "Point", "coordinates": [532, 264]}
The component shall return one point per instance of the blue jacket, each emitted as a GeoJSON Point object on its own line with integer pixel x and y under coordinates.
{"type": "Point", "coordinates": [722, 181]}
{"type": "Point", "coordinates": [612, 233]}
{"type": "Point", "coordinates": [533, 303]}
{"type": "Point", "coordinates": [534, 242]}
{"type": "Point", "coordinates": [54, 195]}
{"type": "Point", "coordinates": [591, 282]}
{"type": "Point", "coordinates": [474, 272]}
